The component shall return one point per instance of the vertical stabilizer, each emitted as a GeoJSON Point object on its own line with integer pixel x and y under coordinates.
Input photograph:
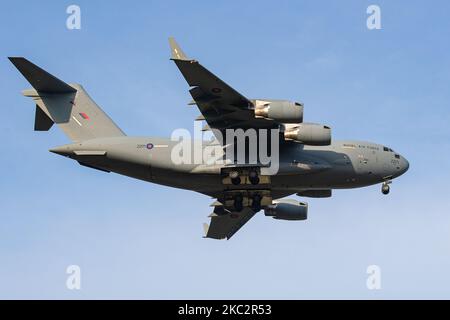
{"type": "Point", "coordinates": [67, 105]}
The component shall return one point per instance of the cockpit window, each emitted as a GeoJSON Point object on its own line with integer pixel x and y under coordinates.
{"type": "Point", "coordinates": [385, 149]}
{"type": "Point", "coordinates": [397, 156]}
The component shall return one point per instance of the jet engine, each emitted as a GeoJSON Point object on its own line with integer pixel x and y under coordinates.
{"type": "Point", "coordinates": [312, 134]}
{"type": "Point", "coordinates": [287, 209]}
{"type": "Point", "coordinates": [279, 110]}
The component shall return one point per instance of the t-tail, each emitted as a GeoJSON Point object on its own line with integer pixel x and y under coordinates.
{"type": "Point", "coordinates": [67, 105]}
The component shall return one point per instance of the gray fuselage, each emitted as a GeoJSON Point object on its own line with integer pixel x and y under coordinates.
{"type": "Point", "coordinates": [343, 164]}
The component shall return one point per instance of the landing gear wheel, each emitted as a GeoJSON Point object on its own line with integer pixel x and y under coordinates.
{"type": "Point", "coordinates": [253, 177]}
{"type": "Point", "coordinates": [235, 179]}
{"type": "Point", "coordinates": [238, 205]}
{"type": "Point", "coordinates": [256, 203]}
{"type": "Point", "coordinates": [385, 188]}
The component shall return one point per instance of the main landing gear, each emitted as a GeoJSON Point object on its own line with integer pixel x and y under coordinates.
{"type": "Point", "coordinates": [238, 203]}
{"type": "Point", "coordinates": [252, 177]}
{"type": "Point", "coordinates": [256, 202]}
{"type": "Point", "coordinates": [385, 187]}
{"type": "Point", "coordinates": [235, 179]}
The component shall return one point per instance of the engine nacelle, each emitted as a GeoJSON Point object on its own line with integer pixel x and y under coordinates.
{"type": "Point", "coordinates": [312, 134]}
{"type": "Point", "coordinates": [279, 110]}
{"type": "Point", "coordinates": [287, 210]}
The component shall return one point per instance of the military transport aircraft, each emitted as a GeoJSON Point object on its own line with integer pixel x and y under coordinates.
{"type": "Point", "coordinates": [309, 162]}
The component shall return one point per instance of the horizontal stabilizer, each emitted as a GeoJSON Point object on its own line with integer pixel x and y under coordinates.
{"type": "Point", "coordinates": [40, 79]}
{"type": "Point", "coordinates": [42, 122]}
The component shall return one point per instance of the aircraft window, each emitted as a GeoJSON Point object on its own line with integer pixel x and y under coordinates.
{"type": "Point", "coordinates": [390, 150]}
{"type": "Point", "coordinates": [397, 156]}
{"type": "Point", "coordinates": [385, 148]}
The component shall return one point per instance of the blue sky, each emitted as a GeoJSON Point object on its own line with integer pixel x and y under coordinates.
{"type": "Point", "coordinates": [138, 240]}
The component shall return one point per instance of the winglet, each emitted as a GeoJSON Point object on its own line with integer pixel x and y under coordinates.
{"type": "Point", "coordinates": [177, 53]}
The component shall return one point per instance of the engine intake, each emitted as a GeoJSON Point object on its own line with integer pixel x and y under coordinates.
{"type": "Point", "coordinates": [312, 134]}
{"type": "Point", "coordinates": [287, 210]}
{"type": "Point", "coordinates": [279, 110]}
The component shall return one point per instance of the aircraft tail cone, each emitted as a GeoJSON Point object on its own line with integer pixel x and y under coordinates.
{"type": "Point", "coordinates": [62, 150]}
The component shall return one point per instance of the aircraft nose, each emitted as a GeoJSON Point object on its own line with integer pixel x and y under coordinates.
{"type": "Point", "coordinates": [404, 165]}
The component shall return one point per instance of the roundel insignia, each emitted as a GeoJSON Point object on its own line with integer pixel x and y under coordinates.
{"type": "Point", "coordinates": [150, 146]}
{"type": "Point", "coordinates": [216, 90]}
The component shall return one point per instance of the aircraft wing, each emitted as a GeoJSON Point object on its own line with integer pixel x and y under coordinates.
{"type": "Point", "coordinates": [226, 224]}
{"type": "Point", "coordinates": [221, 106]}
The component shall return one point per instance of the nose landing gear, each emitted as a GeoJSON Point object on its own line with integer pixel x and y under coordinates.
{"type": "Point", "coordinates": [385, 187]}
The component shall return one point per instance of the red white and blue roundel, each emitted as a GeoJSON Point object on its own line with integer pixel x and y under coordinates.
{"type": "Point", "coordinates": [150, 146]}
